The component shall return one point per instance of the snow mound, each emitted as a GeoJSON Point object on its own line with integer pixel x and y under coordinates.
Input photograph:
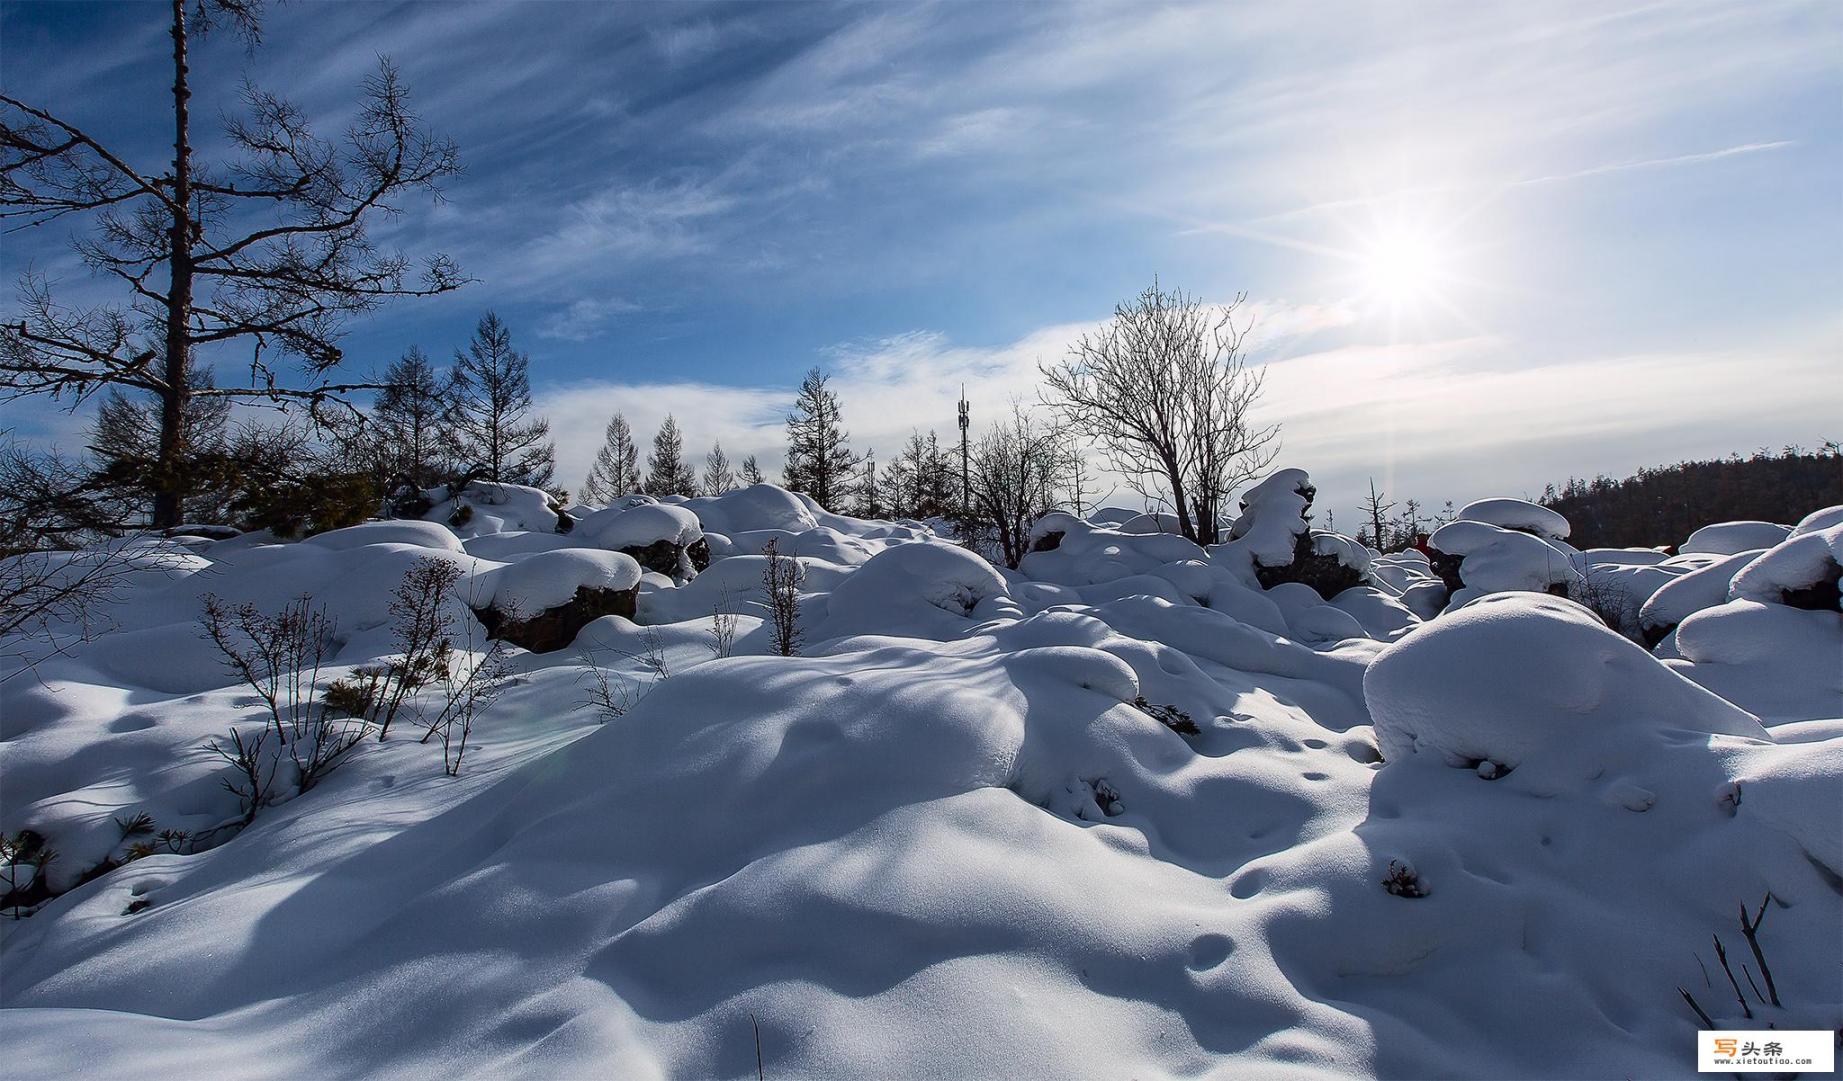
{"type": "Point", "coordinates": [1727, 538]}
{"type": "Point", "coordinates": [1818, 520]}
{"type": "Point", "coordinates": [760, 506]}
{"type": "Point", "coordinates": [549, 580]}
{"type": "Point", "coordinates": [937, 591]}
{"type": "Point", "coordinates": [1783, 664]}
{"type": "Point", "coordinates": [485, 506]}
{"type": "Point", "coordinates": [1073, 552]}
{"type": "Point", "coordinates": [637, 527]}
{"type": "Point", "coordinates": [418, 534]}
{"type": "Point", "coordinates": [1517, 514]}
{"type": "Point", "coordinates": [1806, 563]}
{"type": "Point", "coordinates": [1514, 676]}
{"type": "Point", "coordinates": [1498, 560]}
{"type": "Point", "coordinates": [1682, 597]}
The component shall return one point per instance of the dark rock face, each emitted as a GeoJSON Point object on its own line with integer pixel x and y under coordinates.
{"type": "Point", "coordinates": [663, 556]}
{"type": "Point", "coordinates": [209, 532]}
{"type": "Point", "coordinates": [1447, 567]}
{"type": "Point", "coordinates": [1822, 597]}
{"type": "Point", "coordinates": [1324, 573]}
{"type": "Point", "coordinates": [1048, 542]}
{"type": "Point", "coordinates": [556, 628]}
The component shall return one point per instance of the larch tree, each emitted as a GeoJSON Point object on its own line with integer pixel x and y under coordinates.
{"type": "Point", "coordinates": [718, 476]}
{"type": "Point", "coordinates": [411, 414]}
{"type": "Point", "coordinates": [1376, 508]}
{"type": "Point", "coordinates": [1164, 391]}
{"type": "Point", "coordinates": [819, 458]}
{"type": "Point", "coordinates": [751, 473]}
{"type": "Point", "coordinates": [264, 248]}
{"type": "Point", "coordinates": [490, 410]}
{"type": "Point", "coordinates": [616, 470]}
{"type": "Point", "coordinates": [667, 472]}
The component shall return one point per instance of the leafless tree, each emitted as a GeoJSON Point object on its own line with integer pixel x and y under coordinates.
{"type": "Point", "coordinates": [268, 248]}
{"type": "Point", "coordinates": [781, 579]}
{"type": "Point", "coordinates": [1377, 508]}
{"type": "Point", "coordinates": [1165, 392]}
{"type": "Point", "coordinates": [1014, 479]}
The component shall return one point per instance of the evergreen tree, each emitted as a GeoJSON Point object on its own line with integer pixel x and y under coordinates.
{"type": "Point", "coordinates": [666, 470]}
{"type": "Point", "coordinates": [718, 476]}
{"type": "Point", "coordinates": [490, 410]}
{"type": "Point", "coordinates": [416, 444]}
{"type": "Point", "coordinates": [616, 471]}
{"type": "Point", "coordinates": [819, 458]}
{"type": "Point", "coordinates": [751, 473]}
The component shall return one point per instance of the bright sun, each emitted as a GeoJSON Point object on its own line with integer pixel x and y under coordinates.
{"type": "Point", "coordinates": [1401, 267]}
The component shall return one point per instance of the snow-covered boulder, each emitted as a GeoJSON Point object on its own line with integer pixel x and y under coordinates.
{"type": "Point", "coordinates": [1783, 664]}
{"type": "Point", "coordinates": [418, 534]}
{"type": "Point", "coordinates": [1801, 572]}
{"type": "Point", "coordinates": [1518, 514]}
{"type": "Point", "coordinates": [1518, 675]}
{"type": "Point", "coordinates": [757, 507]}
{"type": "Point", "coordinates": [1684, 596]}
{"type": "Point", "coordinates": [937, 591]}
{"type": "Point", "coordinates": [1493, 559]}
{"type": "Point", "coordinates": [1817, 521]}
{"type": "Point", "coordinates": [483, 507]}
{"type": "Point", "coordinates": [1727, 538]}
{"type": "Point", "coordinates": [543, 600]}
{"type": "Point", "coordinates": [660, 536]}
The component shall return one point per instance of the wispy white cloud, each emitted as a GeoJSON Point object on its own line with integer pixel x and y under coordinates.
{"type": "Point", "coordinates": [585, 318]}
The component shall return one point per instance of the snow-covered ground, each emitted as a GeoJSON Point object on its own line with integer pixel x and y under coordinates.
{"type": "Point", "coordinates": [1139, 809]}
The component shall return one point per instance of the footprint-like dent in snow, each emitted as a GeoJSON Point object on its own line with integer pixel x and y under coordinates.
{"type": "Point", "coordinates": [1208, 951]}
{"type": "Point", "coordinates": [133, 722]}
{"type": "Point", "coordinates": [1249, 884]}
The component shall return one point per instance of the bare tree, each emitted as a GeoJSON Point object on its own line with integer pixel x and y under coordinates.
{"type": "Point", "coordinates": [1164, 391]}
{"type": "Point", "coordinates": [782, 578]}
{"type": "Point", "coordinates": [1014, 479]}
{"type": "Point", "coordinates": [268, 247]}
{"type": "Point", "coordinates": [1377, 508]}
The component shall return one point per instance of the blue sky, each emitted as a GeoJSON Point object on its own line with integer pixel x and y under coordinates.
{"type": "Point", "coordinates": [1488, 245]}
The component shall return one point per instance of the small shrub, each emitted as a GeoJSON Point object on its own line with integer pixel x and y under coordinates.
{"type": "Point", "coordinates": [1168, 715]}
{"type": "Point", "coordinates": [722, 626]}
{"type": "Point", "coordinates": [782, 579]}
{"type": "Point", "coordinates": [1403, 881]}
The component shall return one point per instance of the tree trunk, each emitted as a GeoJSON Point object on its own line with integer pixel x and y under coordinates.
{"type": "Point", "coordinates": [172, 480]}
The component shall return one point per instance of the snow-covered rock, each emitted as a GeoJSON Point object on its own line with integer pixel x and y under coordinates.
{"type": "Point", "coordinates": [1493, 559]}
{"type": "Point", "coordinates": [1516, 676]}
{"type": "Point", "coordinates": [1727, 538]}
{"type": "Point", "coordinates": [1517, 514]}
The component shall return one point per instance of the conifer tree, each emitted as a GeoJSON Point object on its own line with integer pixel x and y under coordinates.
{"type": "Point", "coordinates": [819, 458]}
{"type": "Point", "coordinates": [666, 470]}
{"type": "Point", "coordinates": [490, 410]}
{"type": "Point", "coordinates": [616, 471]}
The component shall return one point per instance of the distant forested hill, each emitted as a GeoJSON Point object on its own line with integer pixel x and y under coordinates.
{"type": "Point", "coordinates": [1664, 504]}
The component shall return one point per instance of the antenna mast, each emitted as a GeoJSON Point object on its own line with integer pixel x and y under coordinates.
{"type": "Point", "coordinates": [966, 486]}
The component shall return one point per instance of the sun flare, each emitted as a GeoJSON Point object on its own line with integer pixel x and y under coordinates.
{"type": "Point", "coordinates": [1402, 267]}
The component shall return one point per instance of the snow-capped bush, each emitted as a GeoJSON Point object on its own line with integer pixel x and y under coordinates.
{"type": "Point", "coordinates": [919, 590]}
{"type": "Point", "coordinates": [1802, 571]}
{"type": "Point", "coordinates": [484, 506]}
